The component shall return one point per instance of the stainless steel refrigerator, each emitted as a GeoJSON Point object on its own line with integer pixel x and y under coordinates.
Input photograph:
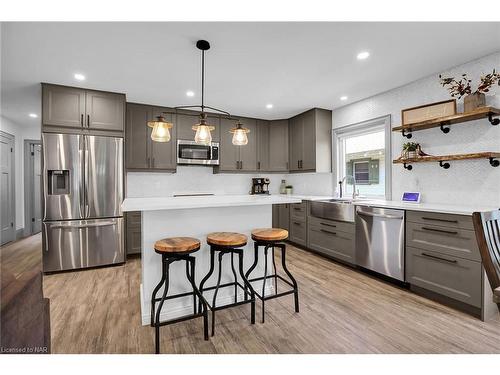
{"type": "Point", "coordinates": [82, 196]}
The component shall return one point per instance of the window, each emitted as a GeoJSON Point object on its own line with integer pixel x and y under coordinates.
{"type": "Point", "coordinates": [360, 156]}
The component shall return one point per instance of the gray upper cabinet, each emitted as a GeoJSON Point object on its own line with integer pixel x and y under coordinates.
{"type": "Point", "coordinates": [248, 153]}
{"type": "Point", "coordinates": [63, 106]}
{"type": "Point", "coordinates": [263, 145]}
{"type": "Point", "coordinates": [79, 109]}
{"type": "Point", "coordinates": [278, 146]}
{"type": "Point", "coordinates": [137, 134]}
{"type": "Point", "coordinates": [163, 154]}
{"type": "Point", "coordinates": [105, 111]}
{"type": "Point", "coordinates": [141, 152]}
{"type": "Point", "coordinates": [310, 141]}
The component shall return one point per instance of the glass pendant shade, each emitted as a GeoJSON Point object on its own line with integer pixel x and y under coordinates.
{"type": "Point", "coordinates": [161, 132]}
{"type": "Point", "coordinates": [203, 134]}
{"type": "Point", "coordinates": [240, 135]}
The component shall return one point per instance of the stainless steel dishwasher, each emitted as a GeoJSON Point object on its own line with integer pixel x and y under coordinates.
{"type": "Point", "coordinates": [380, 240]}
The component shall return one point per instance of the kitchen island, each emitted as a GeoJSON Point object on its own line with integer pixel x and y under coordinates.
{"type": "Point", "coordinates": [196, 216]}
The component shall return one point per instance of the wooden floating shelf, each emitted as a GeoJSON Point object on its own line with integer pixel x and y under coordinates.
{"type": "Point", "coordinates": [445, 122]}
{"type": "Point", "coordinates": [441, 159]}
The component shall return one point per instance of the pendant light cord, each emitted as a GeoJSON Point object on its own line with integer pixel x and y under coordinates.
{"type": "Point", "coordinates": [202, 81]}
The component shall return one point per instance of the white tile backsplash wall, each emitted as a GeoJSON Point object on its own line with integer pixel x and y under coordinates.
{"type": "Point", "coordinates": [468, 181]}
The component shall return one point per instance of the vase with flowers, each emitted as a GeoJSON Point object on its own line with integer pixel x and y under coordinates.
{"type": "Point", "coordinates": [459, 88]}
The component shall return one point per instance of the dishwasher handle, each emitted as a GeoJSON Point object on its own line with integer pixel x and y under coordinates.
{"type": "Point", "coordinates": [384, 216]}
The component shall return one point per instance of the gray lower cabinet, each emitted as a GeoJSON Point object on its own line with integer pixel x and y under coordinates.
{"type": "Point", "coordinates": [133, 236]}
{"type": "Point", "coordinates": [281, 216]}
{"type": "Point", "coordinates": [442, 256]}
{"type": "Point", "coordinates": [78, 109]}
{"type": "Point", "coordinates": [331, 242]}
{"type": "Point", "coordinates": [298, 232]}
{"type": "Point", "coordinates": [453, 277]}
{"type": "Point", "coordinates": [141, 153]}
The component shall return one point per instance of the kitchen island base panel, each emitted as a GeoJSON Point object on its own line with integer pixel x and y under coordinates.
{"type": "Point", "coordinates": [195, 223]}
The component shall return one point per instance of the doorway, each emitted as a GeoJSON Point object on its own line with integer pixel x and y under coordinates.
{"type": "Point", "coordinates": [7, 189]}
{"type": "Point", "coordinates": [32, 187]}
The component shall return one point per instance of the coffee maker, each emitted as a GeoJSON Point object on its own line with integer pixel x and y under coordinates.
{"type": "Point", "coordinates": [260, 185]}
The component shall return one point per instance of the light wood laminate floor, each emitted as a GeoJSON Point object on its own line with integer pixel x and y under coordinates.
{"type": "Point", "coordinates": [342, 311]}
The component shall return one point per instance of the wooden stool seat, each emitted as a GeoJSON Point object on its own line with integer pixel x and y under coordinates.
{"type": "Point", "coordinates": [229, 239]}
{"type": "Point", "coordinates": [269, 234]}
{"type": "Point", "coordinates": [177, 245]}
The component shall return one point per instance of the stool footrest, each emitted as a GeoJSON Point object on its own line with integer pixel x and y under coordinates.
{"type": "Point", "coordinates": [271, 277]}
{"type": "Point", "coordinates": [177, 320]}
{"type": "Point", "coordinates": [230, 304]}
{"type": "Point", "coordinates": [265, 298]}
{"type": "Point", "coordinates": [176, 296]}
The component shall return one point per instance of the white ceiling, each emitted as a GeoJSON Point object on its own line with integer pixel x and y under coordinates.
{"type": "Point", "coordinates": [294, 66]}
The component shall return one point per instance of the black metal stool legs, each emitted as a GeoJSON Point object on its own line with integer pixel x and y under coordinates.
{"type": "Point", "coordinates": [291, 282]}
{"type": "Point", "coordinates": [155, 312]}
{"type": "Point", "coordinates": [247, 288]}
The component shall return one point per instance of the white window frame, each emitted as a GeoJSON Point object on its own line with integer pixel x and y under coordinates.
{"type": "Point", "coordinates": [365, 127]}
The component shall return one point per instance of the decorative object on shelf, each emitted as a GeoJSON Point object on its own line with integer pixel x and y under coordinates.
{"type": "Point", "coordinates": [203, 129]}
{"type": "Point", "coordinates": [161, 129]}
{"type": "Point", "coordinates": [442, 160]}
{"type": "Point", "coordinates": [283, 187]}
{"type": "Point", "coordinates": [289, 189]}
{"type": "Point", "coordinates": [462, 88]}
{"type": "Point", "coordinates": [410, 150]}
{"type": "Point", "coordinates": [239, 135]}
{"type": "Point", "coordinates": [428, 112]}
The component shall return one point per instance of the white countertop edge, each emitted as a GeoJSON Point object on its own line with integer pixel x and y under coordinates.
{"type": "Point", "coordinates": [181, 203]}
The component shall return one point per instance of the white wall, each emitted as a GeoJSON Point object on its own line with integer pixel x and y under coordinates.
{"type": "Point", "coordinates": [473, 182]}
{"type": "Point", "coordinates": [20, 133]}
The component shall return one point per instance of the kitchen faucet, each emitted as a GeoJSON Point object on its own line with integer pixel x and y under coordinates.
{"type": "Point", "coordinates": [354, 193]}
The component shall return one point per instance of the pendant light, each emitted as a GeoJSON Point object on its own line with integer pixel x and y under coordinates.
{"type": "Point", "coordinates": [202, 128]}
{"type": "Point", "coordinates": [239, 134]}
{"type": "Point", "coordinates": [161, 132]}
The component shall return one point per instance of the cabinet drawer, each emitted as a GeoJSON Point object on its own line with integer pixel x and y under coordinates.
{"type": "Point", "coordinates": [444, 220]}
{"type": "Point", "coordinates": [453, 277]}
{"type": "Point", "coordinates": [334, 243]}
{"type": "Point", "coordinates": [332, 224]}
{"type": "Point", "coordinates": [298, 211]}
{"type": "Point", "coordinates": [298, 232]}
{"type": "Point", "coordinates": [451, 241]}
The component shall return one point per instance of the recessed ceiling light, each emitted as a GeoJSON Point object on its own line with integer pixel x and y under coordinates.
{"type": "Point", "coordinates": [33, 115]}
{"type": "Point", "coordinates": [269, 106]}
{"type": "Point", "coordinates": [190, 93]}
{"type": "Point", "coordinates": [79, 77]}
{"type": "Point", "coordinates": [363, 55]}
{"type": "Point", "coordinates": [343, 98]}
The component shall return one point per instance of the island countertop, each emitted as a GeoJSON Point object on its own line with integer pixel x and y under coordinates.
{"type": "Point", "coordinates": [190, 202]}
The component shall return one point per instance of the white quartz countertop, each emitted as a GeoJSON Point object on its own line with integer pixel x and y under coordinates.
{"type": "Point", "coordinates": [177, 203]}
{"type": "Point", "coordinates": [428, 207]}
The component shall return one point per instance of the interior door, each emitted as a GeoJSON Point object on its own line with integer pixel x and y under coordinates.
{"type": "Point", "coordinates": [7, 230]}
{"type": "Point", "coordinates": [103, 176]}
{"type": "Point", "coordinates": [36, 197]}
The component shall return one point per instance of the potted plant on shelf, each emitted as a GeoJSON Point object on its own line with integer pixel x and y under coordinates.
{"type": "Point", "coordinates": [462, 88]}
{"type": "Point", "coordinates": [410, 150]}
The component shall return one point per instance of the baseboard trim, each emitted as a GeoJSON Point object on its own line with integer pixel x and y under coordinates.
{"type": "Point", "coordinates": [177, 312]}
{"type": "Point", "coordinates": [20, 233]}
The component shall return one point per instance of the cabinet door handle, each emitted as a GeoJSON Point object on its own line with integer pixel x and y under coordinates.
{"type": "Point", "coordinates": [297, 223]}
{"type": "Point", "coordinates": [81, 120]}
{"type": "Point", "coordinates": [88, 121]}
{"type": "Point", "coordinates": [241, 164]}
{"type": "Point", "coordinates": [297, 209]}
{"type": "Point", "coordinates": [298, 164]}
{"type": "Point", "coordinates": [237, 164]}
{"type": "Point", "coordinates": [443, 220]}
{"type": "Point", "coordinates": [439, 258]}
{"type": "Point", "coordinates": [440, 230]}
{"type": "Point", "coordinates": [149, 162]}
{"type": "Point", "coordinates": [258, 165]}
{"type": "Point", "coordinates": [327, 231]}
{"type": "Point", "coordinates": [328, 225]}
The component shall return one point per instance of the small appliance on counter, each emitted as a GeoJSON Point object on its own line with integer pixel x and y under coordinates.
{"type": "Point", "coordinates": [260, 185]}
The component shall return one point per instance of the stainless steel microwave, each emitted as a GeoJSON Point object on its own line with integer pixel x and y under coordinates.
{"type": "Point", "coordinates": [190, 152]}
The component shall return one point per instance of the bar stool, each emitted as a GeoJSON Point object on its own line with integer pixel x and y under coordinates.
{"type": "Point", "coordinates": [175, 249]}
{"type": "Point", "coordinates": [228, 243]}
{"type": "Point", "coordinates": [272, 238]}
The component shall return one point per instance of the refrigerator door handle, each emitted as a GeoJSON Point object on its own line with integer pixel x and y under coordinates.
{"type": "Point", "coordinates": [82, 226]}
{"type": "Point", "coordinates": [86, 177]}
{"type": "Point", "coordinates": [81, 151]}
